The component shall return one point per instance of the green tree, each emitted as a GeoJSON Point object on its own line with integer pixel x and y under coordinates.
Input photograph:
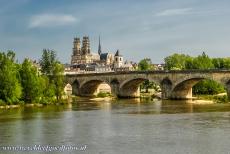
{"type": "Point", "coordinates": [218, 63]}
{"type": "Point", "coordinates": [145, 64]}
{"type": "Point", "coordinates": [202, 62]}
{"type": "Point", "coordinates": [58, 80]}
{"type": "Point", "coordinates": [208, 87]}
{"type": "Point", "coordinates": [31, 84]}
{"type": "Point", "coordinates": [48, 90]}
{"type": "Point", "coordinates": [10, 88]}
{"type": "Point", "coordinates": [227, 63]}
{"type": "Point", "coordinates": [48, 61]}
{"type": "Point", "coordinates": [54, 70]}
{"type": "Point", "coordinates": [176, 61]}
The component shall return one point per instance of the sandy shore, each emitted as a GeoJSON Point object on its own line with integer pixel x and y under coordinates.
{"type": "Point", "coordinates": [101, 99]}
{"type": "Point", "coordinates": [201, 102]}
{"type": "Point", "coordinates": [9, 106]}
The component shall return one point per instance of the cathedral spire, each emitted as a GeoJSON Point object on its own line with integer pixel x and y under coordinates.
{"type": "Point", "coordinates": [99, 46]}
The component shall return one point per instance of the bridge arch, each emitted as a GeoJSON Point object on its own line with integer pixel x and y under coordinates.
{"type": "Point", "coordinates": [130, 87]}
{"type": "Point", "coordinates": [89, 87]}
{"type": "Point", "coordinates": [183, 89]}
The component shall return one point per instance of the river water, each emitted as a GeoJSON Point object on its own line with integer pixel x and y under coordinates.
{"type": "Point", "coordinates": [119, 127]}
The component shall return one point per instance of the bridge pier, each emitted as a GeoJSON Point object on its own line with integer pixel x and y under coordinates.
{"type": "Point", "coordinates": [228, 89]}
{"type": "Point", "coordinates": [182, 94]}
{"type": "Point", "coordinates": [133, 93]}
{"type": "Point", "coordinates": [166, 88]}
{"type": "Point", "coordinates": [114, 90]}
{"type": "Point", "coordinates": [75, 89]}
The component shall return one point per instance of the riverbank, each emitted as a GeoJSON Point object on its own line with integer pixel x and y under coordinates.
{"type": "Point", "coordinates": [23, 104]}
{"type": "Point", "coordinates": [103, 98]}
{"type": "Point", "coordinates": [219, 98]}
{"type": "Point", "coordinates": [197, 99]}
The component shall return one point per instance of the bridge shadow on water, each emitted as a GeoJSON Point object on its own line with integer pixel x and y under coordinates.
{"type": "Point", "coordinates": [148, 106]}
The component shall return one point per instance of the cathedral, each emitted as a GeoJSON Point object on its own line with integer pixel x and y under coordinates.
{"type": "Point", "coordinates": [82, 56]}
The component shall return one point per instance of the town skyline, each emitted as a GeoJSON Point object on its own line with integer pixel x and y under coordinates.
{"type": "Point", "coordinates": [152, 29]}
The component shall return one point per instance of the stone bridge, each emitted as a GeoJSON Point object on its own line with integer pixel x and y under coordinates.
{"type": "Point", "coordinates": [174, 84]}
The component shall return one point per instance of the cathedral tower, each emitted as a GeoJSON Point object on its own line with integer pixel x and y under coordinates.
{"type": "Point", "coordinates": [76, 46]}
{"type": "Point", "coordinates": [85, 49]}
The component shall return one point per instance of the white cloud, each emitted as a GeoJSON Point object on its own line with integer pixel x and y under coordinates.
{"type": "Point", "coordinates": [172, 12]}
{"type": "Point", "coordinates": [51, 20]}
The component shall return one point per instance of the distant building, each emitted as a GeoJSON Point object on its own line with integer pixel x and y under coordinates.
{"type": "Point", "coordinates": [82, 54]}
{"type": "Point", "coordinates": [158, 66]}
{"type": "Point", "coordinates": [82, 60]}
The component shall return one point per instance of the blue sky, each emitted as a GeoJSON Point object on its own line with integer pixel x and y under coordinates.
{"type": "Point", "coordinates": [148, 28]}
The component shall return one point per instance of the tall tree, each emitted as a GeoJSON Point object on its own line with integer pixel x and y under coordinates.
{"type": "Point", "coordinates": [202, 62]}
{"type": "Point", "coordinates": [47, 61]}
{"type": "Point", "coordinates": [31, 86]}
{"type": "Point", "coordinates": [10, 88]}
{"type": "Point", "coordinates": [51, 67]}
{"type": "Point", "coordinates": [58, 80]}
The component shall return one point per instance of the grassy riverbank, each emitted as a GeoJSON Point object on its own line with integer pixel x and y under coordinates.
{"type": "Point", "coordinates": [214, 98]}
{"type": "Point", "coordinates": [35, 104]}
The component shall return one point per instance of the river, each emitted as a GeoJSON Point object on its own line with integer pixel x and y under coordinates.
{"type": "Point", "coordinates": [119, 127]}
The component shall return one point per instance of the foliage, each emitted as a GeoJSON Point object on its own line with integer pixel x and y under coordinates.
{"type": "Point", "coordinates": [47, 61]}
{"type": "Point", "coordinates": [215, 98]}
{"type": "Point", "coordinates": [185, 62]}
{"type": "Point", "coordinates": [23, 83]}
{"type": "Point", "coordinates": [10, 88]}
{"type": "Point", "coordinates": [103, 94]}
{"type": "Point", "coordinates": [202, 62]}
{"type": "Point", "coordinates": [147, 85]}
{"type": "Point", "coordinates": [218, 63]}
{"type": "Point", "coordinates": [30, 81]}
{"type": "Point", "coordinates": [145, 64]}
{"type": "Point", "coordinates": [51, 67]}
{"type": "Point", "coordinates": [221, 99]}
{"type": "Point", "coordinates": [58, 80]}
{"type": "Point", "coordinates": [177, 61]}
{"type": "Point", "coordinates": [208, 87]}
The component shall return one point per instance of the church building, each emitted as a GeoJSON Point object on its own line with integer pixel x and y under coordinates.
{"type": "Point", "coordinates": [83, 60]}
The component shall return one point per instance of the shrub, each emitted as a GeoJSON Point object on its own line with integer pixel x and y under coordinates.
{"type": "Point", "coordinates": [103, 94]}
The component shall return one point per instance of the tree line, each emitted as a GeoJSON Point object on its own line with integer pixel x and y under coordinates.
{"type": "Point", "coordinates": [203, 61]}
{"type": "Point", "coordinates": [24, 83]}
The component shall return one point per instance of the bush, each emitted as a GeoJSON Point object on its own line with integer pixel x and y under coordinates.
{"type": "Point", "coordinates": [102, 94]}
{"type": "Point", "coordinates": [221, 99]}
{"type": "Point", "coordinates": [2, 103]}
{"type": "Point", "coordinates": [208, 87]}
{"type": "Point", "coordinates": [216, 98]}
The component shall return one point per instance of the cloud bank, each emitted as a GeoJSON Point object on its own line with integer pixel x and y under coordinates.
{"type": "Point", "coordinates": [51, 20]}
